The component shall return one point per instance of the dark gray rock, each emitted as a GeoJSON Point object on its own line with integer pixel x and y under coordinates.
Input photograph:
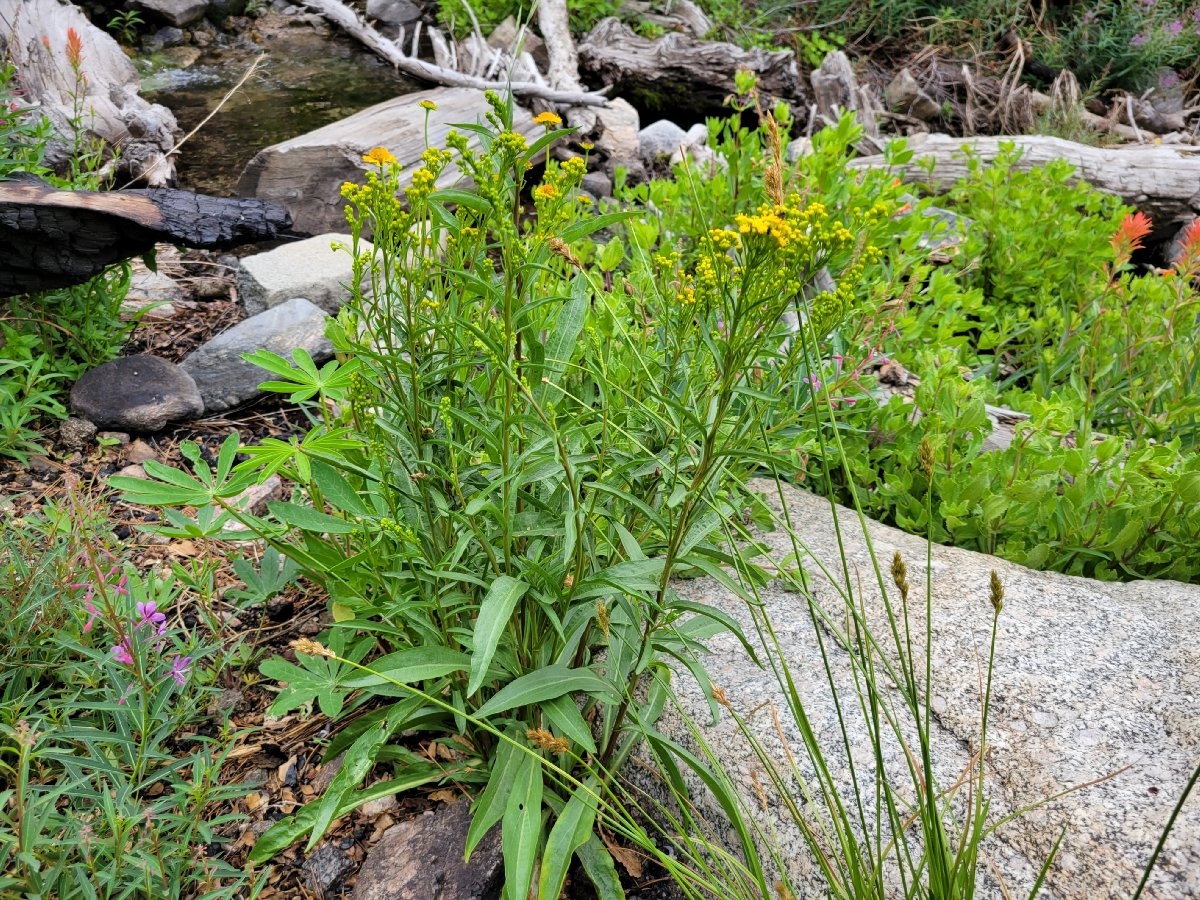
{"type": "Point", "coordinates": [225, 380]}
{"type": "Point", "coordinates": [393, 12]}
{"type": "Point", "coordinates": [139, 393]}
{"type": "Point", "coordinates": [326, 869]}
{"type": "Point", "coordinates": [176, 12]}
{"type": "Point", "coordinates": [422, 859]}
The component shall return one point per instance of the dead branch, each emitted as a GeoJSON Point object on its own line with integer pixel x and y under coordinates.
{"type": "Point", "coordinates": [342, 16]}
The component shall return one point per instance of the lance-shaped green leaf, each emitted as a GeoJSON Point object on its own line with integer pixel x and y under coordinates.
{"type": "Point", "coordinates": [494, 613]}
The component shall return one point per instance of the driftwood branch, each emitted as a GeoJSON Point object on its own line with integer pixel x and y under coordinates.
{"type": "Point", "coordinates": [345, 18]}
{"type": "Point", "coordinates": [1163, 181]}
{"type": "Point", "coordinates": [563, 71]}
{"type": "Point", "coordinates": [51, 238]}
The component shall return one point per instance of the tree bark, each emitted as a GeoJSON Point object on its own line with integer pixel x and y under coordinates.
{"type": "Point", "coordinates": [51, 238]}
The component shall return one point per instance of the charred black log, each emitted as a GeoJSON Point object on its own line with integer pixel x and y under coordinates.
{"type": "Point", "coordinates": [51, 238]}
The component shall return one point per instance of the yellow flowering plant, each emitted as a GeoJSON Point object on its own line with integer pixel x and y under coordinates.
{"type": "Point", "coordinates": [520, 446]}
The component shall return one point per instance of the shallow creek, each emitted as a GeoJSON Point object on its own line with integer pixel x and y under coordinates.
{"type": "Point", "coordinates": [305, 80]}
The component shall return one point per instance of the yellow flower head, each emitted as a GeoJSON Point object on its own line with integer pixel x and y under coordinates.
{"type": "Point", "coordinates": [547, 192]}
{"type": "Point", "coordinates": [548, 119]}
{"type": "Point", "coordinates": [427, 105]}
{"type": "Point", "coordinates": [379, 156]}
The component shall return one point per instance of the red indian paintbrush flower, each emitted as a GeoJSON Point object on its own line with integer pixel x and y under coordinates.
{"type": "Point", "coordinates": [74, 48]}
{"type": "Point", "coordinates": [1133, 230]}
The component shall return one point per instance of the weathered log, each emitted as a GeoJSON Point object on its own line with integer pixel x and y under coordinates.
{"type": "Point", "coordinates": [1162, 181]}
{"type": "Point", "coordinates": [692, 72]}
{"type": "Point", "coordinates": [51, 238]}
{"type": "Point", "coordinates": [306, 173]}
{"type": "Point", "coordinates": [96, 95]}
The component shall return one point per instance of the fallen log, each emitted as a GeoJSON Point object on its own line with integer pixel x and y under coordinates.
{"type": "Point", "coordinates": [51, 238]}
{"type": "Point", "coordinates": [698, 74]}
{"type": "Point", "coordinates": [1162, 181]}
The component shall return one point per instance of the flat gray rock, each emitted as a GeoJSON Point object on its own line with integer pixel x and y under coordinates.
{"type": "Point", "coordinates": [1092, 680]}
{"type": "Point", "coordinates": [422, 859]}
{"type": "Point", "coordinates": [225, 380]}
{"type": "Point", "coordinates": [176, 12]}
{"type": "Point", "coordinates": [137, 393]}
{"type": "Point", "coordinates": [310, 268]}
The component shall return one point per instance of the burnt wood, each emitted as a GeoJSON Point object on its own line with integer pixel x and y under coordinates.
{"type": "Point", "coordinates": [51, 238]}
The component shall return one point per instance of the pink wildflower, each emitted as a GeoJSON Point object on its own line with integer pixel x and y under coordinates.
{"type": "Point", "coordinates": [179, 669]}
{"type": "Point", "coordinates": [122, 653]}
{"type": "Point", "coordinates": [148, 614]}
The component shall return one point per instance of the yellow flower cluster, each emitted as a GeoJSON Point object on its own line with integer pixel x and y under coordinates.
{"type": "Point", "coordinates": [547, 192]}
{"type": "Point", "coordinates": [723, 239]}
{"type": "Point", "coordinates": [511, 142]}
{"type": "Point", "coordinates": [549, 119]}
{"type": "Point", "coordinates": [575, 167]}
{"type": "Point", "coordinates": [788, 224]}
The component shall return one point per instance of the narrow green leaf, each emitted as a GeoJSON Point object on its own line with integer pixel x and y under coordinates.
{"type": "Point", "coordinates": [308, 519]}
{"type": "Point", "coordinates": [544, 684]}
{"type": "Point", "coordinates": [489, 808]}
{"type": "Point", "coordinates": [561, 343]}
{"type": "Point", "coordinates": [337, 490]}
{"type": "Point", "coordinates": [410, 666]}
{"type": "Point", "coordinates": [570, 832]}
{"type": "Point", "coordinates": [494, 613]}
{"type": "Point", "coordinates": [357, 762]}
{"type": "Point", "coordinates": [598, 863]}
{"type": "Point", "coordinates": [521, 827]}
{"type": "Point", "coordinates": [566, 717]}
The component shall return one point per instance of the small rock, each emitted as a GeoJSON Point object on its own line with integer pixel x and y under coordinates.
{"type": "Point", "coordinates": [119, 438]}
{"type": "Point", "coordinates": [210, 287]}
{"type": "Point", "coordinates": [324, 775]}
{"type": "Point", "coordinates": [658, 142]}
{"type": "Point", "coordinates": [423, 858]}
{"type": "Point", "coordinates": [40, 465]}
{"type": "Point", "coordinates": [326, 869]}
{"type": "Point", "coordinates": [139, 452]}
{"type": "Point", "coordinates": [182, 57]}
{"type": "Point", "coordinates": [597, 184]}
{"type": "Point", "coordinates": [132, 471]}
{"type": "Point", "coordinates": [153, 287]}
{"type": "Point", "coordinates": [225, 380]}
{"type": "Point", "coordinates": [310, 268]}
{"type": "Point", "coordinates": [75, 434]}
{"type": "Point", "coordinates": [142, 393]}
{"type": "Point", "coordinates": [393, 12]}
{"type": "Point", "coordinates": [170, 36]}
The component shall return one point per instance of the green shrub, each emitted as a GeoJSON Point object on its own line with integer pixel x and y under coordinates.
{"type": "Point", "coordinates": [1047, 317]}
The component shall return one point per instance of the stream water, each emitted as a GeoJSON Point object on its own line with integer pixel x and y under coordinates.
{"type": "Point", "coordinates": [303, 81]}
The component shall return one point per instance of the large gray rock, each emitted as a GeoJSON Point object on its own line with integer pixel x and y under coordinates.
{"type": "Point", "coordinates": [225, 380]}
{"type": "Point", "coordinates": [176, 12]}
{"type": "Point", "coordinates": [137, 393]}
{"type": "Point", "coordinates": [1094, 682]}
{"type": "Point", "coordinates": [422, 859]}
{"type": "Point", "coordinates": [310, 268]}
